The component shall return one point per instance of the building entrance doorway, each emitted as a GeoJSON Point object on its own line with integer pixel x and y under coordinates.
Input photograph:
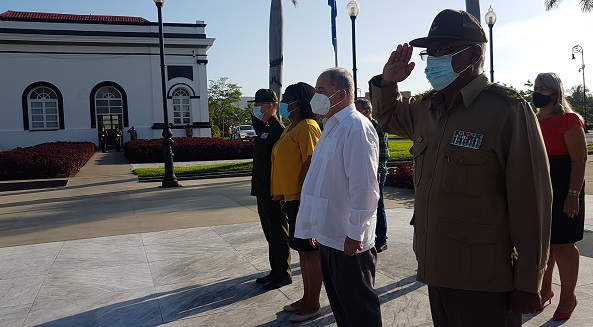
{"type": "Point", "coordinates": [113, 127]}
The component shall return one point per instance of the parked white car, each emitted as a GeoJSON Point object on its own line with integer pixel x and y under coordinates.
{"type": "Point", "coordinates": [243, 132]}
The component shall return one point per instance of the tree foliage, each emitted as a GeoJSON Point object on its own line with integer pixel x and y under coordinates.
{"type": "Point", "coordinates": [586, 5]}
{"type": "Point", "coordinates": [420, 95]}
{"type": "Point", "coordinates": [528, 92]}
{"type": "Point", "coordinates": [574, 96]}
{"type": "Point", "coordinates": [223, 100]}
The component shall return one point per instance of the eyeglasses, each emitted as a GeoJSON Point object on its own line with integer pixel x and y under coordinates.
{"type": "Point", "coordinates": [438, 52]}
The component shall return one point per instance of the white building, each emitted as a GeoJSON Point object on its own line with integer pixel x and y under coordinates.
{"type": "Point", "coordinates": [245, 102]}
{"type": "Point", "coordinates": [63, 76]}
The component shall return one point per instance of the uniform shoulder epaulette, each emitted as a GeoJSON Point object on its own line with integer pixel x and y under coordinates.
{"type": "Point", "coordinates": [428, 95]}
{"type": "Point", "coordinates": [504, 92]}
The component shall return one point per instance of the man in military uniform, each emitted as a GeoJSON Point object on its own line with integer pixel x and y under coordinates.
{"type": "Point", "coordinates": [274, 223]}
{"type": "Point", "coordinates": [483, 195]}
{"type": "Point", "coordinates": [103, 139]}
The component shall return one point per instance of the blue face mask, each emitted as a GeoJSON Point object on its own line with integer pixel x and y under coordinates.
{"type": "Point", "coordinates": [439, 70]}
{"type": "Point", "coordinates": [283, 109]}
{"type": "Point", "coordinates": [257, 113]}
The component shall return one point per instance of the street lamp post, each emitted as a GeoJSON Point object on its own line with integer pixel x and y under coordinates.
{"type": "Point", "coordinates": [579, 49]}
{"type": "Point", "coordinates": [170, 179]}
{"type": "Point", "coordinates": [353, 10]}
{"type": "Point", "coordinates": [490, 20]}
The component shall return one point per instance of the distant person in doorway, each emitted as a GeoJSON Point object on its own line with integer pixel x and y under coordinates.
{"type": "Point", "coordinates": [103, 139]}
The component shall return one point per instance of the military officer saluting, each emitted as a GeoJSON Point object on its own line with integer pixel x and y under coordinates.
{"type": "Point", "coordinates": [483, 192]}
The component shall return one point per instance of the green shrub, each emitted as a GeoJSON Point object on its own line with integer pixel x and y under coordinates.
{"type": "Point", "coordinates": [215, 131]}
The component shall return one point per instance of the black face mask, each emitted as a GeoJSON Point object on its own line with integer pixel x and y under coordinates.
{"type": "Point", "coordinates": [540, 100]}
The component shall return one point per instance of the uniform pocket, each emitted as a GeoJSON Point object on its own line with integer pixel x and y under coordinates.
{"type": "Point", "coordinates": [463, 171]}
{"type": "Point", "coordinates": [466, 251]}
{"type": "Point", "coordinates": [418, 150]}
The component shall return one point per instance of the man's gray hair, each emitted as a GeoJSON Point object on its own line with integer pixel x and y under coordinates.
{"type": "Point", "coordinates": [364, 103]}
{"type": "Point", "coordinates": [482, 59]}
{"type": "Point", "coordinates": [342, 80]}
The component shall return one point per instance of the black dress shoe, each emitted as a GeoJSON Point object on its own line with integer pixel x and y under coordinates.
{"type": "Point", "coordinates": [381, 248]}
{"type": "Point", "coordinates": [264, 280]}
{"type": "Point", "coordinates": [277, 283]}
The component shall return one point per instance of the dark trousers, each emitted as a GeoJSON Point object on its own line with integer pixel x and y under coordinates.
{"type": "Point", "coordinates": [103, 143]}
{"type": "Point", "coordinates": [291, 210]}
{"type": "Point", "coordinates": [381, 230]}
{"type": "Point", "coordinates": [275, 226]}
{"type": "Point", "coordinates": [349, 285]}
{"type": "Point", "coordinates": [461, 308]}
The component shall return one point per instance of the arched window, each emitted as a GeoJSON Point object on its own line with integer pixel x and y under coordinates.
{"type": "Point", "coordinates": [181, 107]}
{"type": "Point", "coordinates": [43, 108]}
{"type": "Point", "coordinates": [108, 100]}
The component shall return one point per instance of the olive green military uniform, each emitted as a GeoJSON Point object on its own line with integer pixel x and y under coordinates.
{"type": "Point", "coordinates": [482, 186]}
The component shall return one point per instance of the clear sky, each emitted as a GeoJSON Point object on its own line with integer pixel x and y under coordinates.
{"type": "Point", "coordinates": [527, 39]}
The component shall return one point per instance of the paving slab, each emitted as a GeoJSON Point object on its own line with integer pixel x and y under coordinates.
{"type": "Point", "coordinates": [106, 250]}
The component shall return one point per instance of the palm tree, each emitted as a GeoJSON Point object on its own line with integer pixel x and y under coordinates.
{"type": "Point", "coordinates": [276, 44]}
{"type": "Point", "coordinates": [586, 5]}
{"type": "Point", "coordinates": [473, 7]}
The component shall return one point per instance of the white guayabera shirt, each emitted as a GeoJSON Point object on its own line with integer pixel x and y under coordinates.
{"type": "Point", "coordinates": [340, 193]}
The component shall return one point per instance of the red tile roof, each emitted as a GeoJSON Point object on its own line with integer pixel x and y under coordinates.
{"type": "Point", "coordinates": [71, 17]}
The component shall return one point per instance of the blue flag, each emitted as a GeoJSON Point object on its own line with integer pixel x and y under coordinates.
{"type": "Point", "coordinates": [334, 14]}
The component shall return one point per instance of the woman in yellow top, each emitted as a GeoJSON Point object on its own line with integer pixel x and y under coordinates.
{"type": "Point", "coordinates": [291, 157]}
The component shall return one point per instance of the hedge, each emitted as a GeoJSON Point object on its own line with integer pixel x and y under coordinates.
{"type": "Point", "coordinates": [46, 160]}
{"type": "Point", "coordinates": [401, 175]}
{"type": "Point", "coordinates": [188, 149]}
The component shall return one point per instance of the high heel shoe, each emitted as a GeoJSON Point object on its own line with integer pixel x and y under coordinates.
{"type": "Point", "coordinates": [548, 299]}
{"type": "Point", "coordinates": [564, 315]}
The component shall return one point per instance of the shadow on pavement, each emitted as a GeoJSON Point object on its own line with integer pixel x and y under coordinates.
{"type": "Point", "coordinates": [201, 300]}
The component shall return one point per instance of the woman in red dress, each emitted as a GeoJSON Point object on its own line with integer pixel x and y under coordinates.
{"type": "Point", "coordinates": [564, 136]}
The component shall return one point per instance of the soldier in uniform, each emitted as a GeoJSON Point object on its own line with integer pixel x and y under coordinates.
{"type": "Point", "coordinates": [274, 223]}
{"type": "Point", "coordinates": [482, 212]}
{"type": "Point", "coordinates": [133, 134]}
{"type": "Point", "coordinates": [103, 139]}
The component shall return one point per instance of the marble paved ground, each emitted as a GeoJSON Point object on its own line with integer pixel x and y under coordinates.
{"type": "Point", "coordinates": [204, 276]}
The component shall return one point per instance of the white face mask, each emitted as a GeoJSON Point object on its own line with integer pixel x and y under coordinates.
{"type": "Point", "coordinates": [320, 103]}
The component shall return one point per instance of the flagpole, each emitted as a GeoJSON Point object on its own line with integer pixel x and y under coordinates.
{"type": "Point", "coordinates": [336, 53]}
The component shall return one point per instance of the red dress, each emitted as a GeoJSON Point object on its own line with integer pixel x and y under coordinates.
{"type": "Point", "coordinates": [565, 230]}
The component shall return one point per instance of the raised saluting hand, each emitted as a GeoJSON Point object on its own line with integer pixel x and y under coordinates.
{"type": "Point", "coordinates": [398, 67]}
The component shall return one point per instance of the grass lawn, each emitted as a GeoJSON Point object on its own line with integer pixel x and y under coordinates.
{"type": "Point", "coordinates": [400, 149]}
{"type": "Point", "coordinates": [195, 170]}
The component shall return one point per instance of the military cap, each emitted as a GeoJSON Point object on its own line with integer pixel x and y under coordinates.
{"type": "Point", "coordinates": [265, 95]}
{"type": "Point", "coordinates": [452, 25]}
